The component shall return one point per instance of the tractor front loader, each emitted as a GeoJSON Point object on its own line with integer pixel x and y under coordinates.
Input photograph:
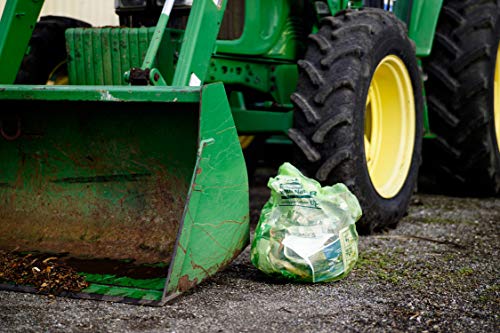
{"type": "Point", "coordinates": [142, 188]}
{"type": "Point", "coordinates": [121, 148]}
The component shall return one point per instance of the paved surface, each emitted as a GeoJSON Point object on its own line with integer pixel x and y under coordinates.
{"type": "Point", "coordinates": [438, 271]}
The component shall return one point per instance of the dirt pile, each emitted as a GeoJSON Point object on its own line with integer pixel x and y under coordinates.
{"type": "Point", "coordinates": [49, 275]}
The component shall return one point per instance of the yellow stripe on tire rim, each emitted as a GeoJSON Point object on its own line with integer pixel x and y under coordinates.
{"type": "Point", "coordinates": [496, 109]}
{"type": "Point", "coordinates": [389, 126]}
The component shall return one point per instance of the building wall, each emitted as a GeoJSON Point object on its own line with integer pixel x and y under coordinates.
{"type": "Point", "coordinates": [95, 12]}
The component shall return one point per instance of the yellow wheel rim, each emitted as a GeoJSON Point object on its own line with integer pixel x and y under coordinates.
{"type": "Point", "coordinates": [246, 140]}
{"type": "Point", "coordinates": [496, 109]}
{"type": "Point", "coordinates": [56, 78]}
{"type": "Point", "coordinates": [389, 136]}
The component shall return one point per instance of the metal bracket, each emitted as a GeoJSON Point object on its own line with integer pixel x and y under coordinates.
{"type": "Point", "coordinates": [144, 77]}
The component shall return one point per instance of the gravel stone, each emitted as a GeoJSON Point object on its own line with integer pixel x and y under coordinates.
{"type": "Point", "coordinates": [438, 271]}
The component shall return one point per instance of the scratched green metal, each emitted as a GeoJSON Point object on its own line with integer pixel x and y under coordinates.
{"type": "Point", "coordinates": [16, 26]}
{"type": "Point", "coordinates": [216, 223]}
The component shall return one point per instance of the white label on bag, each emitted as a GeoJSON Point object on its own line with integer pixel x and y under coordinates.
{"type": "Point", "coordinates": [306, 246]}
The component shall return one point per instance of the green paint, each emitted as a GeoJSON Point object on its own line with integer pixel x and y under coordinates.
{"type": "Point", "coordinates": [156, 41]}
{"type": "Point", "coordinates": [427, 127]}
{"type": "Point", "coordinates": [124, 292]}
{"type": "Point", "coordinates": [264, 25]}
{"type": "Point", "coordinates": [210, 238]}
{"type": "Point", "coordinates": [258, 121]}
{"type": "Point", "coordinates": [403, 11]}
{"type": "Point", "coordinates": [112, 280]}
{"type": "Point", "coordinates": [423, 23]}
{"type": "Point", "coordinates": [255, 121]}
{"type": "Point", "coordinates": [336, 5]}
{"type": "Point", "coordinates": [114, 51]}
{"type": "Point", "coordinates": [279, 140]}
{"type": "Point", "coordinates": [279, 79]}
{"type": "Point", "coordinates": [107, 94]}
{"type": "Point", "coordinates": [202, 28]}
{"type": "Point", "coordinates": [235, 71]}
{"type": "Point", "coordinates": [16, 26]}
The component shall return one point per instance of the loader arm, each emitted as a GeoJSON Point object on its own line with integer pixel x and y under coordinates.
{"type": "Point", "coordinates": [18, 20]}
{"type": "Point", "coordinates": [20, 16]}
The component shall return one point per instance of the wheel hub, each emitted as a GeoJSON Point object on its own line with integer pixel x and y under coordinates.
{"type": "Point", "coordinates": [389, 136]}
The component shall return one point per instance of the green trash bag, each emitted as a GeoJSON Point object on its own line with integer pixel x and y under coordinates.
{"type": "Point", "coordinates": [306, 232]}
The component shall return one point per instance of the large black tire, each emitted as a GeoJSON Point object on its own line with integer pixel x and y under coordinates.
{"type": "Point", "coordinates": [465, 158]}
{"type": "Point", "coordinates": [331, 102]}
{"type": "Point", "coordinates": [47, 49]}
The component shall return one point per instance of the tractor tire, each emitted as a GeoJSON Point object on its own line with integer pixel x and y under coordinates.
{"type": "Point", "coordinates": [353, 55]}
{"type": "Point", "coordinates": [47, 49]}
{"type": "Point", "coordinates": [464, 100]}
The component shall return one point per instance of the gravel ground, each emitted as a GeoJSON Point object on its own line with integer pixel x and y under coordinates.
{"type": "Point", "coordinates": [438, 271]}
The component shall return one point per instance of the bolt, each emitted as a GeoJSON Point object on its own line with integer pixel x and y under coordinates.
{"type": "Point", "coordinates": [126, 76]}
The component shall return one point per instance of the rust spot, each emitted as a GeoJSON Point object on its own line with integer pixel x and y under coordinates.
{"type": "Point", "coordinates": [196, 266]}
{"type": "Point", "coordinates": [186, 284]}
{"type": "Point", "coordinates": [223, 264]}
{"type": "Point", "coordinates": [235, 255]}
{"type": "Point", "coordinates": [199, 171]}
{"type": "Point", "coordinates": [140, 222]}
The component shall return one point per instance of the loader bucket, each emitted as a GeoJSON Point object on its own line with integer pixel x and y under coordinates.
{"type": "Point", "coordinates": [143, 190]}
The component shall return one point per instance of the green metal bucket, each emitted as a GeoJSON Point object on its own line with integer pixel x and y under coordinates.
{"type": "Point", "coordinates": [141, 189]}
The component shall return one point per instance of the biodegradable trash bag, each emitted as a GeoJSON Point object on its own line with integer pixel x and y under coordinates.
{"type": "Point", "coordinates": [306, 232]}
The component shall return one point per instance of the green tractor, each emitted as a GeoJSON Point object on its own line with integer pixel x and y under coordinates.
{"type": "Point", "coordinates": [121, 148]}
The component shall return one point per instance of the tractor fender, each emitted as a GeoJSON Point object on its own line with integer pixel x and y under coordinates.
{"type": "Point", "coordinates": [423, 23]}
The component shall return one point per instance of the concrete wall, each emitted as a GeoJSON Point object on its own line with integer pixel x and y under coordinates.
{"type": "Point", "coordinates": [95, 12]}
